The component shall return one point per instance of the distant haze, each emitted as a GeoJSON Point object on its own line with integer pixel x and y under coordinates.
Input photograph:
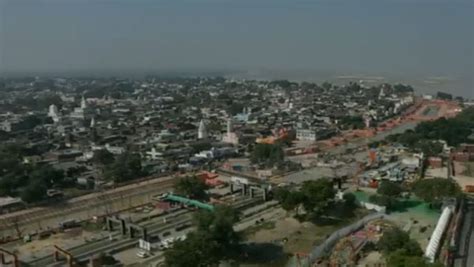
{"type": "Point", "coordinates": [426, 42]}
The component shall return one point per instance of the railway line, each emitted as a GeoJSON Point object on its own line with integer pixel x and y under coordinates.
{"type": "Point", "coordinates": [465, 256]}
{"type": "Point", "coordinates": [95, 204]}
{"type": "Point", "coordinates": [174, 220]}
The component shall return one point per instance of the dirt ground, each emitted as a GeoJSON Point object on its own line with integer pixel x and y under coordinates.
{"type": "Point", "coordinates": [295, 236]}
{"type": "Point", "coordinates": [39, 248]}
{"type": "Point", "coordinates": [372, 259]}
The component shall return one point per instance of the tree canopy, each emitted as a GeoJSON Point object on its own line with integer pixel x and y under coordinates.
{"type": "Point", "coordinates": [389, 188]}
{"type": "Point", "coordinates": [269, 154]}
{"type": "Point", "coordinates": [214, 240]}
{"type": "Point", "coordinates": [394, 238]}
{"type": "Point", "coordinates": [103, 157]}
{"type": "Point", "coordinates": [193, 187]}
{"type": "Point", "coordinates": [454, 131]}
{"type": "Point", "coordinates": [313, 195]}
{"type": "Point", "coordinates": [126, 167]}
{"type": "Point", "coordinates": [352, 122]}
{"type": "Point", "coordinates": [435, 189]}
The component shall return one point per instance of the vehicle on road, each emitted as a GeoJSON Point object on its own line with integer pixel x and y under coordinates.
{"type": "Point", "coordinates": [142, 254]}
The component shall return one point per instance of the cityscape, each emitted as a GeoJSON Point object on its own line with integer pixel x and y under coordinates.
{"type": "Point", "coordinates": [144, 134]}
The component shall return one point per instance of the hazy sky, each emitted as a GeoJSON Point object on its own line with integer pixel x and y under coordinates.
{"type": "Point", "coordinates": [429, 37]}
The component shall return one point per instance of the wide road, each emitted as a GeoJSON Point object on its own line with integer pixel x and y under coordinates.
{"type": "Point", "coordinates": [83, 207]}
{"type": "Point", "coordinates": [466, 241]}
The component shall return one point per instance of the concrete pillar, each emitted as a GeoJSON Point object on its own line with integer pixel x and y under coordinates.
{"type": "Point", "coordinates": [131, 231]}
{"type": "Point", "coordinates": [145, 234]}
{"type": "Point", "coordinates": [251, 192]}
{"type": "Point", "coordinates": [265, 192]}
{"type": "Point", "coordinates": [2, 258]}
{"type": "Point", "coordinates": [123, 227]}
{"type": "Point", "coordinates": [231, 188]}
{"type": "Point", "coordinates": [110, 224]}
{"type": "Point", "coordinates": [245, 189]}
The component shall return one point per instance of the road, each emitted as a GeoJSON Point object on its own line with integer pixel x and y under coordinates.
{"type": "Point", "coordinates": [84, 207]}
{"type": "Point", "coordinates": [466, 240]}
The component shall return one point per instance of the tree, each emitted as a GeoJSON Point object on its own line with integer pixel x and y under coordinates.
{"type": "Point", "coordinates": [197, 250]}
{"type": "Point", "coordinates": [349, 200]}
{"type": "Point", "coordinates": [443, 95]}
{"type": "Point", "coordinates": [317, 195]}
{"type": "Point", "coordinates": [270, 154]}
{"type": "Point", "coordinates": [214, 240]}
{"type": "Point", "coordinates": [236, 108]}
{"type": "Point", "coordinates": [48, 176]}
{"type": "Point", "coordinates": [435, 189]}
{"type": "Point", "coordinates": [192, 187]}
{"type": "Point", "coordinates": [103, 157]}
{"type": "Point", "coordinates": [126, 167]}
{"type": "Point", "coordinates": [289, 200]}
{"type": "Point", "coordinates": [382, 200]}
{"type": "Point", "coordinates": [34, 192]}
{"type": "Point", "coordinates": [353, 122]}
{"type": "Point", "coordinates": [389, 189]}
{"type": "Point", "coordinates": [394, 238]}
{"type": "Point", "coordinates": [402, 258]}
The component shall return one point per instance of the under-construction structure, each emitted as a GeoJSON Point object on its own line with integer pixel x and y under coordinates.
{"type": "Point", "coordinates": [13, 262]}
{"type": "Point", "coordinates": [57, 256]}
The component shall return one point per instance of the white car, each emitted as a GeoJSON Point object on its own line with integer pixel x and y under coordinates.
{"type": "Point", "coordinates": [142, 254]}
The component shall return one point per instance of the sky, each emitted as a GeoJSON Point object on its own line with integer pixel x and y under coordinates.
{"type": "Point", "coordinates": [398, 38]}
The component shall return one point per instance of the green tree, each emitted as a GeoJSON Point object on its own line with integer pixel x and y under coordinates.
{"type": "Point", "coordinates": [214, 240]}
{"type": "Point", "coordinates": [349, 200]}
{"type": "Point", "coordinates": [402, 258]}
{"type": "Point", "coordinates": [435, 189]}
{"type": "Point", "coordinates": [390, 189]}
{"type": "Point", "coordinates": [270, 154]}
{"type": "Point", "coordinates": [289, 200]}
{"type": "Point", "coordinates": [394, 238]}
{"type": "Point", "coordinates": [34, 192]}
{"type": "Point", "coordinates": [389, 203]}
{"type": "Point", "coordinates": [48, 176]}
{"type": "Point", "coordinates": [317, 194]}
{"type": "Point", "coordinates": [193, 187]}
{"type": "Point", "coordinates": [199, 249]}
{"type": "Point", "coordinates": [125, 168]}
{"type": "Point", "coordinates": [103, 157]}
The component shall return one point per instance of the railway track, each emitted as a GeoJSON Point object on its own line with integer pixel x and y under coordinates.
{"type": "Point", "coordinates": [25, 217]}
{"type": "Point", "coordinates": [183, 217]}
{"type": "Point", "coordinates": [466, 259]}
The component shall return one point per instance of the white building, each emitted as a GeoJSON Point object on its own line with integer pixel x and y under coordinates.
{"type": "Point", "coordinates": [230, 137]}
{"type": "Point", "coordinates": [202, 131]}
{"type": "Point", "coordinates": [53, 113]}
{"type": "Point", "coordinates": [306, 135]}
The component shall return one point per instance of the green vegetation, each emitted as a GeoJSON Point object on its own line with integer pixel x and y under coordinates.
{"type": "Point", "coordinates": [390, 189]}
{"type": "Point", "coordinates": [352, 122]}
{"type": "Point", "coordinates": [400, 250]}
{"type": "Point", "coordinates": [126, 167]}
{"type": "Point", "coordinates": [268, 154]}
{"type": "Point", "coordinates": [103, 157]}
{"type": "Point", "coordinates": [435, 189]}
{"type": "Point", "coordinates": [400, 258]}
{"type": "Point", "coordinates": [387, 194]}
{"type": "Point", "coordinates": [30, 182]}
{"type": "Point", "coordinates": [454, 131]}
{"type": "Point", "coordinates": [314, 196]}
{"type": "Point", "coordinates": [192, 187]}
{"type": "Point", "coordinates": [393, 239]}
{"type": "Point", "coordinates": [214, 240]}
